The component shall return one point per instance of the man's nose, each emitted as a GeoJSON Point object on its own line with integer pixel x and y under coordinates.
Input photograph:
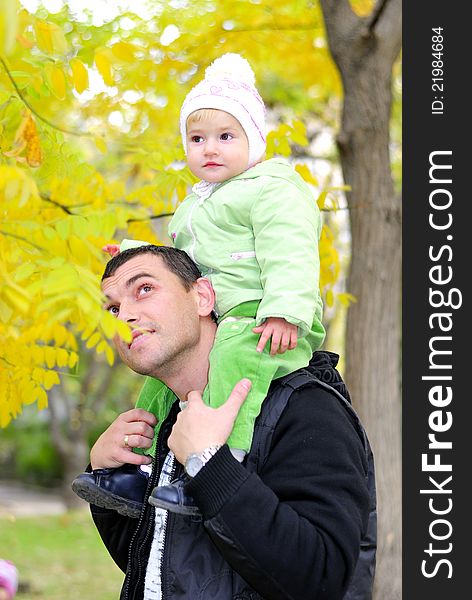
{"type": "Point", "coordinates": [127, 313]}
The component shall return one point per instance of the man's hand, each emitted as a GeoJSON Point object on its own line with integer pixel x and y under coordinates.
{"type": "Point", "coordinates": [112, 249]}
{"type": "Point", "coordinates": [114, 448]}
{"type": "Point", "coordinates": [284, 335]}
{"type": "Point", "coordinates": [199, 426]}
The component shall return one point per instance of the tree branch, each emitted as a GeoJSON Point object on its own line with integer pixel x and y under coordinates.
{"type": "Point", "coordinates": [150, 217]}
{"type": "Point", "coordinates": [272, 27]}
{"type": "Point", "coordinates": [340, 20]}
{"type": "Point", "coordinates": [375, 15]}
{"type": "Point", "coordinates": [33, 110]}
{"type": "Point", "coordinates": [18, 237]}
{"type": "Point", "coordinates": [388, 26]}
{"type": "Point", "coordinates": [100, 396]}
{"type": "Point", "coordinates": [60, 441]}
{"type": "Point", "coordinates": [58, 204]}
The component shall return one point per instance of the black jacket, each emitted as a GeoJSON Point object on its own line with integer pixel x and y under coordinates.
{"type": "Point", "coordinates": [290, 531]}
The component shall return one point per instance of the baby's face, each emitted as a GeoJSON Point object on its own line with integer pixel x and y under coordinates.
{"type": "Point", "coordinates": [217, 149]}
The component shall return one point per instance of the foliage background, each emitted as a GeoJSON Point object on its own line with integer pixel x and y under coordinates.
{"type": "Point", "coordinates": [90, 94]}
{"type": "Point", "coordinates": [90, 152]}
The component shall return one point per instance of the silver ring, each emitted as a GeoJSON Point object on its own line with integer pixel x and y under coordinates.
{"type": "Point", "coordinates": [125, 441]}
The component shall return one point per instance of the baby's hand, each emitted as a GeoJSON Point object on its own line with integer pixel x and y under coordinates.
{"type": "Point", "coordinates": [284, 335]}
{"type": "Point", "coordinates": [112, 249]}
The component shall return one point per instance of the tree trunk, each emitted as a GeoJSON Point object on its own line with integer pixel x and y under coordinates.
{"type": "Point", "coordinates": [70, 443]}
{"type": "Point", "coordinates": [364, 50]}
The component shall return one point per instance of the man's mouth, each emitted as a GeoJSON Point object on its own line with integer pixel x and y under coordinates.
{"type": "Point", "coordinates": [139, 333]}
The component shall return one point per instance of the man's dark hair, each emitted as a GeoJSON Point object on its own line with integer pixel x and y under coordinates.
{"type": "Point", "coordinates": [177, 261]}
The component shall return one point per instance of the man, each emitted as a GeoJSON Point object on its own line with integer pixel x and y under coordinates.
{"type": "Point", "coordinates": [287, 523]}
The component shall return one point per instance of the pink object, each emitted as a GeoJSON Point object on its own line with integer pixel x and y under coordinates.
{"type": "Point", "coordinates": [230, 85]}
{"type": "Point", "coordinates": [8, 577]}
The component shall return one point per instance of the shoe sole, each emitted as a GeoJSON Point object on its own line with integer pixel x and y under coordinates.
{"type": "Point", "coordinates": [95, 495]}
{"type": "Point", "coordinates": [175, 508]}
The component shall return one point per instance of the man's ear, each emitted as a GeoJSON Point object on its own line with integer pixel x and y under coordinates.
{"type": "Point", "coordinates": [206, 296]}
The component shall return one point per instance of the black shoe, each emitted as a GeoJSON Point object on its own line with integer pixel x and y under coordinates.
{"type": "Point", "coordinates": [174, 498]}
{"type": "Point", "coordinates": [120, 489]}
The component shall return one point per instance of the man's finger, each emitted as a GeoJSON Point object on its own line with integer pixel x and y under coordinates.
{"type": "Point", "coordinates": [137, 459]}
{"type": "Point", "coordinates": [138, 414]}
{"type": "Point", "coordinates": [237, 396]}
{"type": "Point", "coordinates": [194, 397]}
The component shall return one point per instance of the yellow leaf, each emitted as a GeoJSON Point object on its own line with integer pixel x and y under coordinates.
{"type": "Point", "coordinates": [24, 271]}
{"type": "Point", "coordinates": [80, 76]}
{"type": "Point", "coordinates": [124, 51]}
{"type": "Point", "coordinates": [56, 80]}
{"type": "Point", "coordinates": [27, 141]}
{"type": "Point", "coordinates": [108, 324]}
{"type": "Point", "coordinates": [362, 7]}
{"type": "Point", "coordinates": [60, 280]}
{"type": "Point", "coordinates": [124, 330]}
{"type": "Point", "coordinates": [37, 375]}
{"type": "Point", "coordinates": [50, 378]}
{"type": "Point", "coordinates": [322, 200]}
{"type": "Point", "coordinates": [42, 398]}
{"type": "Point", "coordinates": [8, 25]}
{"type": "Point", "coordinates": [110, 356]}
{"type": "Point", "coordinates": [346, 299]}
{"type": "Point", "coordinates": [93, 340]}
{"type": "Point", "coordinates": [73, 358]}
{"type": "Point", "coordinates": [43, 36]}
{"type": "Point", "coordinates": [62, 357]}
{"type": "Point", "coordinates": [307, 175]}
{"type": "Point", "coordinates": [16, 300]}
{"type": "Point", "coordinates": [101, 347]}
{"type": "Point", "coordinates": [50, 356]}
{"type": "Point", "coordinates": [100, 143]}
{"type": "Point", "coordinates": [103, 64]}
{"type": "Point", "coordinates": [37, 353]}
{"type": "Point", "coordinates": [50, 37]}
{"type": "Point", "coordinates": [329, 298]}
{"type": "Point", "coordinates": [5, 312]}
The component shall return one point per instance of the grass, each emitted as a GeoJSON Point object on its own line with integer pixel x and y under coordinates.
{"type": "Point", "coordinates": [59, 558]}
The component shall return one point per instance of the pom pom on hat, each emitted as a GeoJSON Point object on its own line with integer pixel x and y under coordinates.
{"type": "Point", "coordinates": [229, 85]}
{"type": "Point", "coordinates": [231, 66]}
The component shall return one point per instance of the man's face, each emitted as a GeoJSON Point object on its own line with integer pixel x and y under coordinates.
{"type": "Point", "coordinates": [161, 312]}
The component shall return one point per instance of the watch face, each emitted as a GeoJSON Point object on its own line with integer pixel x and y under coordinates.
{"type": "Point", "coordinates": [193, 465]}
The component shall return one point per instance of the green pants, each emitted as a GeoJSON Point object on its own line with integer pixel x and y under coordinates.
{"type": "Point", "coordinates": [233, 357]}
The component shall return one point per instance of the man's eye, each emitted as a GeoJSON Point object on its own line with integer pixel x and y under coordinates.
{"type": "Point", "coordinates": [226, 136]}
{"type": "Point", "coordinates": [144, 289]}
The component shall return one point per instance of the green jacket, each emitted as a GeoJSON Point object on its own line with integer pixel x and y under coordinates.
{"type": "Point", "coordinates": [256, 238]}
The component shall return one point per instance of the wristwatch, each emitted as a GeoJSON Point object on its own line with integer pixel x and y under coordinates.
{"type": "Point", "coordinates": [195, 462]}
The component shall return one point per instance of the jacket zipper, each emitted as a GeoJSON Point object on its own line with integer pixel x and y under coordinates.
{"type": "Point", "coordinates": [151, 482]}
{"type": "Point", "coordinates": [164, 583]}
{"type": "Point", "coordinates": [239, 255]}
{"type": "Point", "coordinates": [191, 231]}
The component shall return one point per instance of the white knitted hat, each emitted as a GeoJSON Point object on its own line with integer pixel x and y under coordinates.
{"type": "Point", "coordinates": [229, 85]}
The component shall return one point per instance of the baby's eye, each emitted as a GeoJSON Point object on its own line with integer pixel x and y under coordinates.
{"type": "Point", "coordinates": [196, 139]}
{"type": "Point", "coordinates": [114, 310]}
{"type": "Point", "coordinates": [226, 136]}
